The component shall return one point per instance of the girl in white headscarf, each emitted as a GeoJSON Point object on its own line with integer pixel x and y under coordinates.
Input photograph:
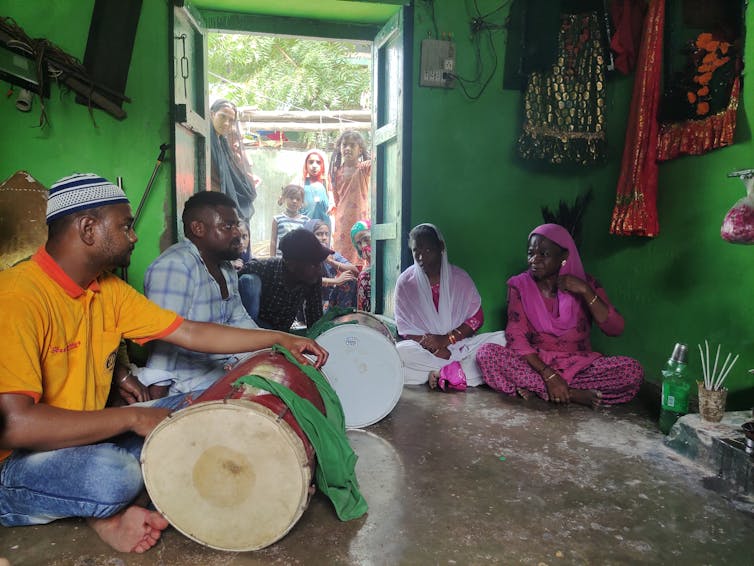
{"type": "Point", "coordinates": [438, 311]}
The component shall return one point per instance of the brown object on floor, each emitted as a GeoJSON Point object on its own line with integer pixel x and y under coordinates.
{"type": "Point", "coordinates": [23, 206]}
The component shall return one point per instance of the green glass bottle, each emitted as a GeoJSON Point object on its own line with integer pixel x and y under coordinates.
{"type": "Point", "coordinates": [675, 388]}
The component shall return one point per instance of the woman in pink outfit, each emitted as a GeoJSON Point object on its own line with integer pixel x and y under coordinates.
{"type": "Point", "coordinates": [551, 308]}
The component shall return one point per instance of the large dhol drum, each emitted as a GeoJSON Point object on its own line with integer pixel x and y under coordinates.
{"type": "Point", "coordinates": [365, 371]}
{"type": "Point", "coordinates": [234, 471]}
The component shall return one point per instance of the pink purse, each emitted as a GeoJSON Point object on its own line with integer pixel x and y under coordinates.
{"type": "Point", "coordinates": [452, 377]}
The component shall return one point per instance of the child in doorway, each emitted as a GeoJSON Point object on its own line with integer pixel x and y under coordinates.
{"type": "Point", "coordinates": [338, 274]}
{"type": "Point", "coordinates": [361, 238]}
{"type": "Point", "coordinates": [314, 180]}
{"type": "Point", "coordinates": [291, 198]}
{"type": "Point", "coordinates": [350, 171]}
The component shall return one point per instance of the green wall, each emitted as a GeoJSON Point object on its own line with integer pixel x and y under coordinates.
{"type": "Point", "coordinates": [685, 285]}
{"type": "Point", "coordinates": [112, 148]}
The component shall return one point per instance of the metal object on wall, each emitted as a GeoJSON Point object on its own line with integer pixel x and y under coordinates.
{"type": "Point", "coordinates": [742, 173]}
{"type": "Point", "coordinates": [23, 102]}
{"type": "Point", "coordinates": [438, 63]}
{"type": "Point", "coordinates": [23, 205]}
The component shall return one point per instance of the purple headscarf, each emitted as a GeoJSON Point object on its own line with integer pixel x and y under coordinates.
{"type": "Point", "coordinates": [568, 305]}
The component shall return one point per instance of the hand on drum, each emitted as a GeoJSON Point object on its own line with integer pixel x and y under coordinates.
{"type": "Point", "coordinates": [146, 418]}
{"type": "Point", "coordinates": [298, 346]}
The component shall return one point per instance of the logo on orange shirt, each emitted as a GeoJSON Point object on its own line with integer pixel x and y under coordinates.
{"type": "Point", "coordinates": [110, 362]}
{"type": "Point", "coordinates": [64, 349]}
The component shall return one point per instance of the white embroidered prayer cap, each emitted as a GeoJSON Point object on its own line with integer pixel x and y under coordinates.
{"type": "Point", "coordinates": [81, 191]}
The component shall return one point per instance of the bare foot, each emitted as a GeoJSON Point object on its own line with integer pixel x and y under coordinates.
{"type": "Point", "coordinates": [133, 530]}
{"type": "Point", "coordinates": [589, 397]}
{"type": "Point", "coordinates": [525, 394]}
{"type": "Point", "coordinates": [433, 377]}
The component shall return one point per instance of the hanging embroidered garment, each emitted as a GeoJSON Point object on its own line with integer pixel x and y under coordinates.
{"type": "Point", "coordinates": [565, 107]}
{"type": "Point", "coordinates": [635, 211]}
{"type": "Point", "coordinates": [697, 114]}
{"type": "Point", "coordinates": [696, 137]}
{"type": "Point", "coordinates": [698, 111]}
{"type": "Point", "coordinates": [628, 18]}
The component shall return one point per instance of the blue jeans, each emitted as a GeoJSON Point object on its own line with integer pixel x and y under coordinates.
{"type": "Point", "coordinates": [250, 289]}
{"type": "Point", "coordinates": [96, 480]}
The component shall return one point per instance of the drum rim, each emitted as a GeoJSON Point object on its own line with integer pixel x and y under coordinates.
{"type": "Point", "coordinates": [399, 381]}
{"type": "Point", "coordinates": [297, 446]}
{"type": "Point", "coordinates": [248, 355]}
{"type": "Point", "coordinates": [370, 315]}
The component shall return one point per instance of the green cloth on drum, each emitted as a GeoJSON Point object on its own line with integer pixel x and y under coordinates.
{"type": "Point", "coordinates": [326, 322]}
{"type": "Point", "coordinates": [333, 408]}
{"type": "Point", "coordinates": [336, 461]}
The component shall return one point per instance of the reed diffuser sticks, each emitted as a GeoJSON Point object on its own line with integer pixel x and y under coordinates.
{"type": "Point", "coordinates": [713, 380]}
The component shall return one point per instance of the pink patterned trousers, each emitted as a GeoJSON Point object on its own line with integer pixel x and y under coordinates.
{"type": "Point", "coordinates": [617, 377]}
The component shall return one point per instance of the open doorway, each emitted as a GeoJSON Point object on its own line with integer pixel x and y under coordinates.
{"type": "Point", "coordinates": [390, 36]}
{"type": "Point", "coordinates": [294, 95]}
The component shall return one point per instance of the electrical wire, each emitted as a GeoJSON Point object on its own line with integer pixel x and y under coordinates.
{"type": "Point", "coordinates": [462, 81]}
{"type": "Point", "coordinates": [431, 5]}
{"type": "Point", "coordinates": [479, 24]}
{"type": "Point", "coordinates": [500, 7]}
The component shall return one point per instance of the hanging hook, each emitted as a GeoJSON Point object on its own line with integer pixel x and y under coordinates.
{"type": "Point", "coordinates": [742, 173]}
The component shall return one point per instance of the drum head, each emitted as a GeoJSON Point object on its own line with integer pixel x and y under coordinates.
{"type": "Point", "coordinates": [228, 474]}
{"type": "Point", "coordinates": [365, 371]}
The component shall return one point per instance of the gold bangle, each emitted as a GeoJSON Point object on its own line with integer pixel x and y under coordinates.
{"type": "Point", "coordinates": [124, 378]}
{"type": "Point", "coordinates": [594, 299]}
{"type": "Point", "coordinates": [451, 338]}
{"type": "Point", "coordinates": [549, 377]}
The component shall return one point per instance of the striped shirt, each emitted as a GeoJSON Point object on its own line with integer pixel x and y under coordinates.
{"type": "Point", "coordinates": [287, 224]}
{"type": "Point", "coordinates": [178, 280]}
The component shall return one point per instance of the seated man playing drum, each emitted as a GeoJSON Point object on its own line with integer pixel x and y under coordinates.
{"type": "Point", "coordinates": [195, 278]}
{"type": "Point", "coordinates": [63, 454]}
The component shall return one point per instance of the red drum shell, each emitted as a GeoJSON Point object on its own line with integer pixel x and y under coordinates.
{"type": "Point", "coordinates": [275, 367]}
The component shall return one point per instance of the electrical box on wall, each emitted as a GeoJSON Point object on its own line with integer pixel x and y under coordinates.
{"type": "Point", "coordinates": [438, 64]}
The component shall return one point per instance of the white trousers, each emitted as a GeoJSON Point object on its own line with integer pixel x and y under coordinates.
{"type": "Point", "coordinates": [418, 362]}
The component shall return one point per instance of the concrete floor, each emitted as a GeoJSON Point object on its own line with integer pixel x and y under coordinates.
{"type": "Point", "coordinates": [473, 478]}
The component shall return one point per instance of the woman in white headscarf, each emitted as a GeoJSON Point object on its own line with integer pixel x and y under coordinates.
{"type": "Point", "coordinates": [438, 311]}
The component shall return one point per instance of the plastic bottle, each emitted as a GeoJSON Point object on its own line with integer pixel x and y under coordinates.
{"type": "Point", "coordinates": [675, 388]}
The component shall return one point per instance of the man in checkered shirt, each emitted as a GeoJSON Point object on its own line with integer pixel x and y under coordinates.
{"type": "Point", "coordinates": [195, 279]}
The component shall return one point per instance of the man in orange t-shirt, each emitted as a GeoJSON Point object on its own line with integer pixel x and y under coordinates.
{"type": "Point", "coordinates": [63, 318]}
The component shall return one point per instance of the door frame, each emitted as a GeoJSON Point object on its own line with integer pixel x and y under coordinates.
{"type": "Point", "coordinates": [184, 115]}
{"type": "Point", "coordinates": [384, 233]}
